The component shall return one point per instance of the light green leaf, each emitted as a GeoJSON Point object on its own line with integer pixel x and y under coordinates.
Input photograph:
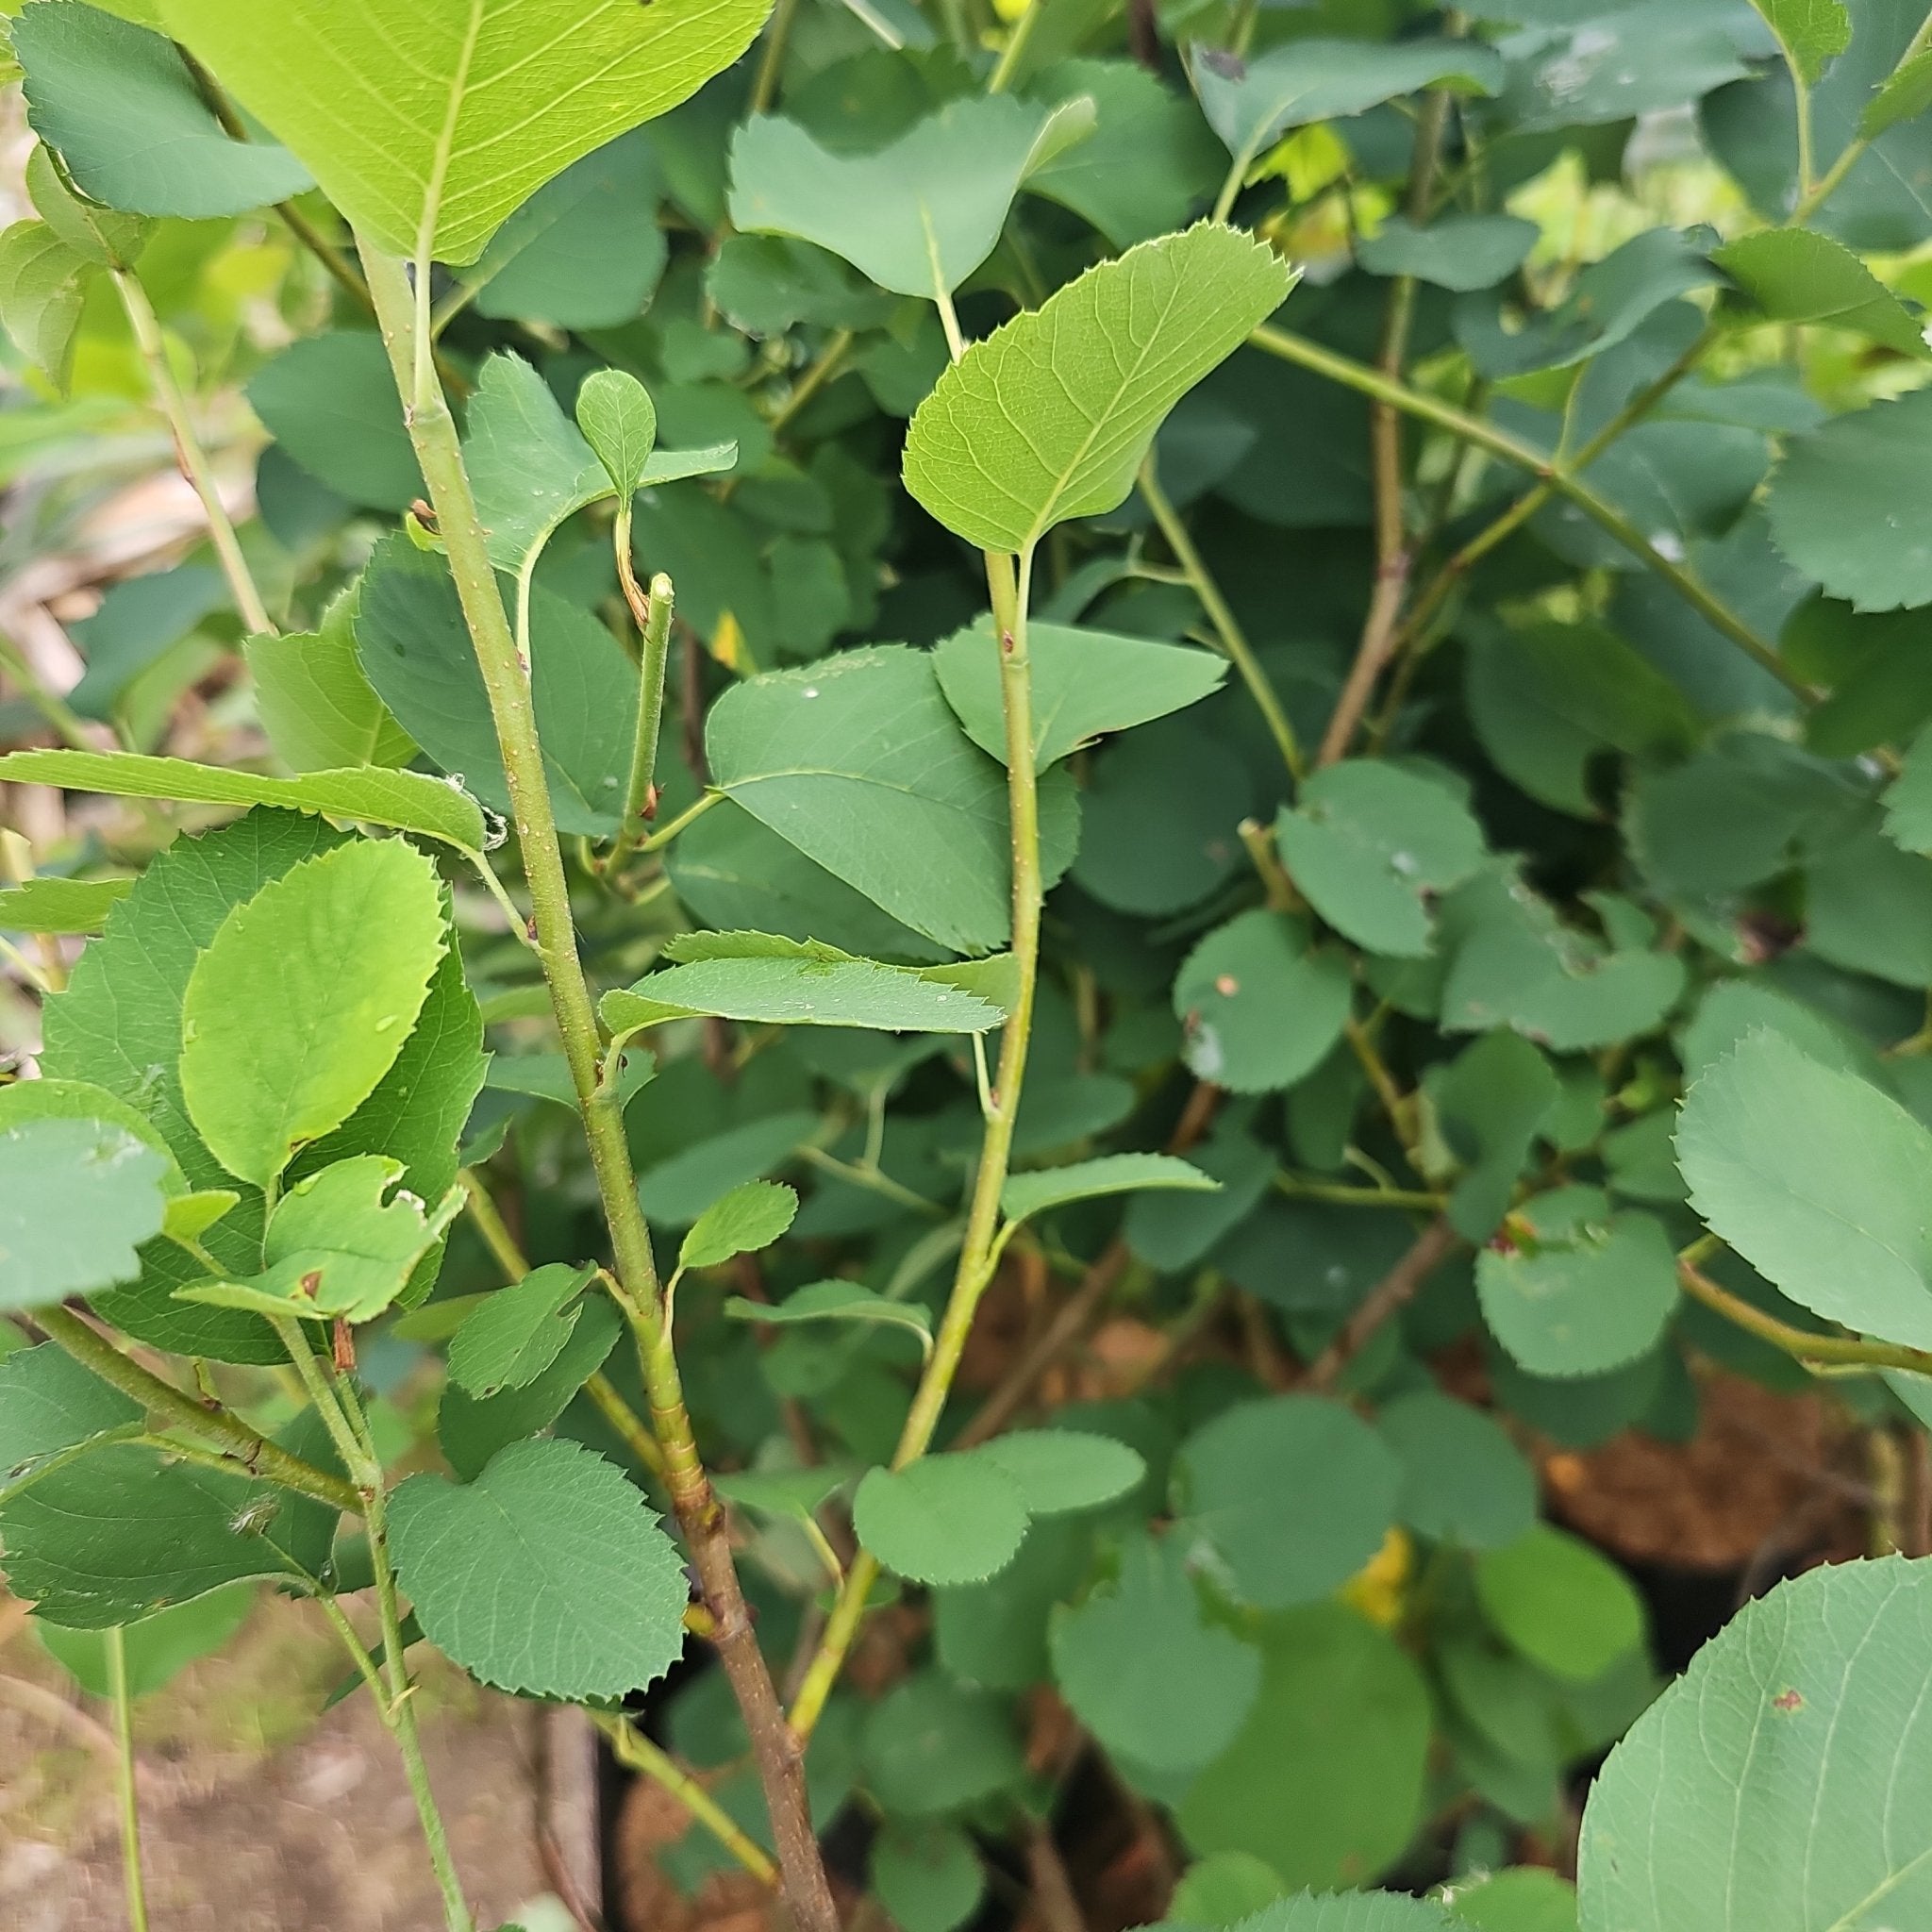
{"type": "Point", "coordinates": [741, 1222]}
{"type": "Point", "coordinates": [1810, 33]}
{"type": "Point", "coordinates": [409, 801]}
{"type": "Point", "coordinates": [1565, 1607]}
{"type": "Point", "coordinates": [620, 422]}
{"type": "Point", "coordinates": [77, 1198]}
{"type": "Point", "coordinates": [1261, 1005]}
{"type": "Point", "coordinates": [1583, 1291]}
{"type": "Point", "coordinates": [156, 1649]}
{"type": "Point", "coordinates": [858, 761]}
{"type": "Point", "coordinates": [1819, 1180]}
{"type": "Point", "coordinates": [943, 1519]}
{"type": "Point", "coordinates": [320, 711]}
{"type": "Point", "coordinates": [1064, 1470]}
{"type": "Point", "coordinates": [512, 1336]}
{"type": "Point", "coordinates": [1249, 104]}
{"type": "Point", "coordinates": [834, 1301]}
{"type": "Point", "coordinates": [330, 401]}
{"type": "Point", "coordinates": [1459, 252]}
{"type": "Point", "coordinates": [547, 1575]}
{"type": "Point", "coordinates": [60, 905]}
{"type": "Point", "coordinates": [1145, 1672]}
{"type": "Point", "coordinates": [49, 1099]}
{"type": "Point", "coordinates": [928, 1877]}
{"type": "Point", "coordinates": [303, 1000]}
{"type": "Point", "coordinates": [43, 284]}
{"type": "Point", "coordinates": [1463, 1480]}
{"type": "Point", "coordinates": [1851, 504]}
{"type": "Point", "coordinates": [1371, 845]}
{"type": "Point", "coordinates": [1784, 1781]}
{"type": "Point", "coordinates": [1524, 1899]}
{"type": "Point", "coordinates": [1026, 1194]}
{"type": "Point", "coordinates": [917, 216]}
{"type": "Point", "coordinates": [121, 106]}
{"type": "Point", "coordinates": [1050, 416]}
{"type": "Point", "coordinates": [337, 1247]}
{"type": "Point", "coordinates": [48, 1404]}
{"type": "Point", "coordinates": [800, 990]}
{"type": "Point", "coordinates": [1225, 1890]}
{"type": "Point", "coordinates": [1800, 277]}
{"type": "Point", "coordinates": [189, 1217]}
{"type": "Point", "coordinates": [1085, 683]}
{"type": "Point", "coordinates": [1291, 1495]}
{"type": "Point", "coordinates": [426, 126]}
{"type": "Point", "coordinates": [1907, 94]}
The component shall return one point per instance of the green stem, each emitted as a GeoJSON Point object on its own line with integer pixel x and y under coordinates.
{"type": "Point", "coordinates": [1011, 54]}
{"type": "Point", "coordinates": [1828, 1350]}
{"type": "Point", "coordinates": [67, 723]}
{"type": "Point", "coordinates": [665, 833]}
{"type": "Point", "coordinates": [363, 1471]}
{"type": "Point", "coordinates": [764, 88]}
{"type": "Point", "coordinates": [635, 1751]}
{"type": "Point", "coordinates": [432, 429]}
{"type": "Point", "coordinates": [1370, 382]}
{"type": "Point", "coordinates": [1341, 1194]}
{"type": "Point", "coordinates": [136, 1888]}
{"type": "Point", "coordinates": [652, 614]}
{"type": "Point", "coordinates": [1814, 197]}
{"type": "Point", "coordinates": [1234, 641]}
{"type": "Point", "coordinates": [146, 326]}
{"type": "Point", "coordinates": [820, 370]}
{"type": "Point", "coordinates": [216, 1425]}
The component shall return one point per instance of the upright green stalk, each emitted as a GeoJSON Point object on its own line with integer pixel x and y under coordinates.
{"type": "Point", "coordinates": [403, 315]}
{"type": "Point", "coordinates": [136, 1888]}
{"type": "Point", "coordinates": [652, 611]}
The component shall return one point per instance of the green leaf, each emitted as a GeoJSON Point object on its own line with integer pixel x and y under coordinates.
{"type": "Point", "coordinates": [1085, 683]}
{"type": "Point", "coordinates": [77, 1198]}
{"type": "Point", "coordinates": [1781, 1781]}
{"type": "Point", "coordinates": [320, 711]}
{"type": "Point", "coordinates": [943, 1519]}
{"type": "Point", "coordinates": [103, 236]}
{"type": "Point", "coordinates": [677, 1190]}
{"type": "Point", "coordinates": [512, 1336]}
{"type": "Point", "coordinates": [45, 1099]}
{"type": "Point", "coordinates": [1371, 845]}
{"type": "Point", "coordinates": [1909, 800]}
{"type": "Point", "coordinates": [1292, 1496]}
{"type": "Point", "coordinates": [1050, 416]}
{"type": "Point", "coordinates": [60, 905]}
{"type": "Point", "coordinates": [427, 128]}
{"type": "Point", "coordinates": [1249, 104]}
{"type": "Point", "coordinates": [1463, 1480]}
{"type": "Point", "coordinates": [619, 421]}
{"type": "Point", "coordinates": [303, 1000]}
{"type": "Point", "coordinates": [156, 1649]}
{"type": "Point", "coordinates": [408, 801]}
{"type": "Point", "coordinates": [931, 1747]}
{"type": "Point", "coordinates": [547, 1575]}
{"type": "Point", "coordinates": [337, 1247]}
{"type": "Point", "coordinates": [50, 1404]}
{"type": "Point", "coordinates": [1027, 1195]}
{"type": "Point", "coordinates": [834, 1301]}
{"type": "Point", "coordinates": [330, 401]}
{"type": "Point", "coordinates": [1527, 1899]}
{"type": "Point", "coordinates": [1064, 1470]}
{"type": "Point", "coordinates": [121, 106]}
{"type": "Point", "coordinates": [1261, 1005]}
{"type": "Point", "coordinates": [119, 1534]}
{"type": "Point", "coordinates": [1486, 1108]}
{"type": "Point", "coordinates": [1906, 94]}
{"type": "Point", "coordinates": [1799, 276]}
{"type": "Point", "coordinates": [1325, 1780]}
{"type": "Point", "coordinates": [1583, 1291]}
{"type": "Point", "coordinates": [1552, 1597]}
{"type": "Point", "coordinates": [1459, 252]}
{"type": "Point", "coordinates": [1810, 33]}
{"type": "Point", "coordinates": [929, 1877]}
{"type": "Point", "coordinates": [1343, 1911]}
{"type": "Point", "coordinates": [1819, 1180]}
{"type": "Point", "coordinates": [917, 216]}
{"type": "Point", "coordinates": [1145, 1672]}
{"type": "Point", "coordinates": [1225, 1890]}
{"type": "Point", "coordinates": [858, 761]}
{"type": "Point", "coordinates": [472, 1429]}
{"type": "Point", "coordinates": [1851, 504]}
{"type": "Point", "coordinates": [43, 285]}
{"type": "Point", "coordinates": [741, 1222]}
{"type": "Point", "coordinates": [801, 989]}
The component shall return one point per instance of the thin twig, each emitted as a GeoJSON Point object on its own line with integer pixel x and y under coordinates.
{"type": "Point", "coordinates": [636, 1752]}
{"type": "Point", "coordinates": [1826, 1351]}
{"type": "Point", "coordinates": [1388, 1298]}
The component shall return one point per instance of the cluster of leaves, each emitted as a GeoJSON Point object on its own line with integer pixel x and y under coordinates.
{"type": "Point", "coordinates": [1497, 1001]}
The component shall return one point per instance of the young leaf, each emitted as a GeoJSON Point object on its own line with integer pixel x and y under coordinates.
{"type": "Point", "coordinates": [1371, 845]}
{"type": "Point", "coordinates": [1799, 276]}
{"type": "Point", "coordinates": [336, 1247]}
{"type": "Point", "coordinates": [943, 1519]}
{"type": "Point", "coordinates": [834, 1301]}
{"type": "Point", "coordinates": [120, 107]}
{"type": "Point", "coordinates": [77, 1198]}
{"type": "Point", "coordinates": [1064, 1469]}
{"type": "Point", "coordinates": [1145, 1672]}
{"type": "Point", "coordinates": [547, 1575]}
{"type": "Point", "coordinates": [619, 421]}
{"type": "Point", "coordinates": [1906, 93]}
{"type": "Point", "coordinates": [512, 1336]}
{"type": "Point", "coordinates": [408, 801]}
{"type": "Point", "coordinates": [1026, 1194]}
{"type": "Point", "coordinates": [1780, 1780]}
{"type": "Point", "coordinates": [1561, 1604]}
{"type": "Point", "coordinates": [1819, 1180]}
{"type": "Point", "coordinates": [304, 999]}
{"type": "Point", "coordinates": [917, 216]}
{"type": "Point", "coordinates": [60, 905]}
{"type": "Point", "coordinates": [320, 711]}
{"type": "Point", "coordinates": [1810, 33]}
{"type": "Point", "coordinates": [1261, 1005]}
{"type": "Point", "coordinates": [426, 126]}
{"type": "Point", "coordinates": [1049, 417]}
{"type": "Point", "coordinates": [43, 285]}
{"type": "Point", "coordinates": [746, 1220]}
{"type": "Point", "coordinates": [799, 991]}
{"type": "Point", "coordinates": [1085, 683]}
